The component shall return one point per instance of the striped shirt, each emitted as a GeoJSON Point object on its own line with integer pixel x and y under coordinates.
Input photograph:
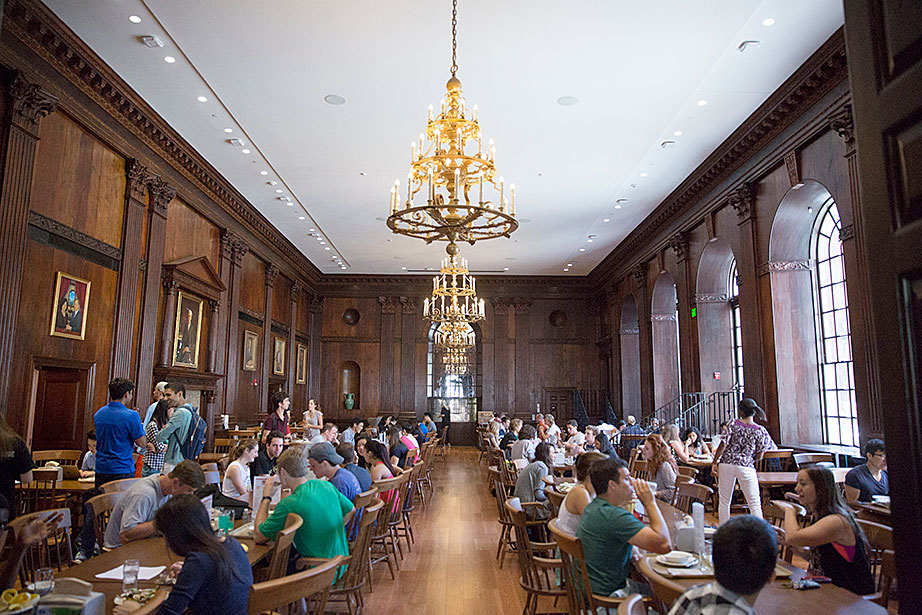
{"type": "Point", "coordinates": [711, 599]}
{"type": "Point", "coordinates": [154, 460]}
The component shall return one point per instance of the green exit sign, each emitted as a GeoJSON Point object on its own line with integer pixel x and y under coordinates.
{"type": "Point", "coordinates": [694, 312]}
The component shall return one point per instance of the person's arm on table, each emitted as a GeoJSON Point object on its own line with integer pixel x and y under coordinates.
{"type": "Point", "coordinates": [30, 534]}
{"type": "Point", "coordinates": [828, 529]}
{"type": "Point", "coordinates": [141, 530]}
{"type": "Point", "coordinates": [654, 537]}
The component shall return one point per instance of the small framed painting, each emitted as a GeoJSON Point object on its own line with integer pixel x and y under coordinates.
{"type": "Point", "coordinates": [301, 365]}
{"type": "Point", "coordinates": [278, 356]}
{"type": "Point", "coordinates": [250, 346]}
{"type": "Point", "coordinates": [188, 329]}
{"type": "Point", "coordinates": [69, 307]}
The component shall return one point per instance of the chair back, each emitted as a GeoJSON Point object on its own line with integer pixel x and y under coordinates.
{"type": "Point", "coordinates": [354, 576]}
{"type": "Point", "coordinates": [665, 590]}
{"type": "Point", "coordinates": [775, 515]}
{"type": "Point", "coordinates": [807, 459]}
{"type": "Point", "coordinates": [887, 576]}
{"type": "Point", "coordinates": [880, 539]}
{"type": "Point", "coordinates": [210, 467]}
{"type": "Point", "coordinates": [535, 559]}
{"type": "Point", "coordinates": [633, 605]}
{"type": "Point", "coordinates": [520, 464]}
{"type": "Point", "coordinates": [54, 551]}
{"type": "Point", "coordinates": [119, 485]}
{"type": "Point", "coordinates": [212, 477]}
{"type": "Point", "coordinates": [278, 564]}
{"type": "Point", "coordinates": [641, 470]}
{"type": "Point", "coordinates": [313, 585]}
{"type": "Point", "coordinates": [575, 573]}
{"type": "Point", "coordinates": [102, 506]}
{"type": "Point", "coordinates": [687, 494]}
{"type": "Point", "coordinates": [224, 445]}
{"type": "Point", "coordinates": [403, 494]}
{"type": "Point", "coordinates": [785, 458]}
{"type": "Point", "coordinates": [361, 503]}
{"type": "Point", "coordinates": [688, 471]}
{"type": "Point", "coordinates": [502, 493]}
{"type": "Point", "coordinates": [63, 457]}
{"type": "Point", "coordinates": [41, 493]}
{"type": "Point", "coordinates": [556, 499]}
{"type": "Point", "coordinates": [389, 493]}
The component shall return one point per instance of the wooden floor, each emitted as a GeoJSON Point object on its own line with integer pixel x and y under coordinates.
{"type": "Point", "coordinates": [453, 567]}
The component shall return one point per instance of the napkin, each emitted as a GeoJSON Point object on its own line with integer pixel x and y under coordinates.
{"type": "Point", "coordinates": [145, 573]}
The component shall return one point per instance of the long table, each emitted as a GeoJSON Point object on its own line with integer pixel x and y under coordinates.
{"type": "Point", "coordinates": [790, 478]}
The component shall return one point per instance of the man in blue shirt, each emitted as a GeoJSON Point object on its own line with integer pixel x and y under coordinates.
{"type": "Point", "coordinates": [347, 452]}
{"type": "Point", "coordinates": [324, 462]}
{"type": "Point", "coordinates": [117, 429]}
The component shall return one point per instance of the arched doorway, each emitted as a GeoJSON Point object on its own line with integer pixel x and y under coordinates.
{"type": "Point", "coordinates": [664, 317]}
{"type": "Point", "coordinates": [460, 389]}
{"type": "Point", "coordinates": [630, 358]}
{"type": "Point", "coordinates": [715, 314]}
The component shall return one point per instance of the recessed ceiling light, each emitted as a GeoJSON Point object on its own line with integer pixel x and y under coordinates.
{"type": "Point", "coordinates": [569, 264]}
{"type": "Point", "coordinates": [245, 151]}
{"type": "Point", "coordinates": [327, 248]}
{"type": "Point", "coordinates": [202, 99]}
{"type": "Point", "coordinates": [617, 206]}
{"type": "Point", "coordinates": [134, 19]}
{"type": "Point", "coordinates": [290, 204]}
{"type": "Point", "coordinates": [582, 249]}
{"type": "Point", "coordinates": [334, 99]}
{"type": "Point", "coordinates": [768, 22]}
{"type": "Point", "coordinates": [228, 130]}
{"type": "Point", "coordinates": [300, 217]}
{"type": "Point", "coordinates": [363, 173]}
{"type": "Point", "coordinates": [343, 267]}
{"type": "Point", "coordinates": [313, 230]}
{"type": "Point", "coordinates": [702, 102]}
{"type": "Point", "coordinates": [588, 241]}
{"type": "Point", "coordinates": [677, 133]}
{"type": "Point", "coordinates": [643, 174]}
{"type": "Point", "coordinates": [278, 190]}
{"type": "Point", "coordinates": [264, 172]}
{"type": "Point", "coordinates": [323, 243]}
{"type": "Point", "coordinates": [567, 101]}
{"type": "Point", "coordinates": [169, 59]}
{"type": "Point", "coordinates": [404, 268]}
{"type": "Point", "coordinates": [566, 270]}
{"type": "Point", "coordinates": [607, 220]}
{"type": "Point", "coordinates": [272, 182]}
{"type": "Point", "coordinates": [505, 268]}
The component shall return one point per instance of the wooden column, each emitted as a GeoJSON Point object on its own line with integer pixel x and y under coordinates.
{"type": "Point", "coordinates": [387, 384]}
{"type": "Point", "coordinates": [315, 308]}
{"type": "Point", "coordinates": [159, 196]}
{"type": "Point", "coordinates": [689, 372]}
{"type": "Point", "coordinates": [207, 412]}
{"type": "Point", "coordinates": [523, 404]}
{"type": "Point", "coordinates": [137, 177]}
{"type": "Point", "coordinates": [169, 321]}
{"type": "Point", "coordinates": [292, 342]}
{"type": "Point", "coordinates": [408, 357]}
{"type": "Point", "coordinates": [503, 363]}
{"type": "Point", "coordinates": [233, 249]}
{"type": "Point", "coordinates": [213, 333]}
{"type": "Point", "coordinates": [644, 340]}
{"type": "Point", "coordinates": [30, 104]}
{"type": "Point", "coordinates": [272, 272]}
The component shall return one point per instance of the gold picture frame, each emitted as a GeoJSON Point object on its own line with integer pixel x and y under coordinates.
{"type": "Point", "coordinates": [187, 331]}
{"type": "Point", "coordinates": [278, 356]}
{"type": "Point", "coordinates": [70, 306]}
{"type": "Point", "coordinates": [301, 365]}
{"type": "Point", "coordinates": [250, 350]}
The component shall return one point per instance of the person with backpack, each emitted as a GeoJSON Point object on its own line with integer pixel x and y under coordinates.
{"type": "Point", "coordinates": [176, 432]}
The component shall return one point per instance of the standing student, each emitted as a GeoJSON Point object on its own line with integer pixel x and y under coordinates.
{"type": "Point", "coordinates": [118, 430]}
{"type": "Point", "coordinates": [278, 415]}
{"type": "Point", "coordinates": [445, 416]}
{"type": "Point", "coordinates": [156, 396]}
{"type": "Point", "coordinates": [313, 420]}
{"type": "Point", "coordinates": [177, 428]}
{"type": "Point", "coordinates": [741, 446]}
{"type": "Point", "coordinates": [155, 452]}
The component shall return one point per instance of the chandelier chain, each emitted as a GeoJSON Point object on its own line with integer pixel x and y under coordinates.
{"type": "Point", "coordinates": [454, 37]}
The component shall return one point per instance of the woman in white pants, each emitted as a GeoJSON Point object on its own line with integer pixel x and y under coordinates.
{"type": "Point", "coordinates": [741, 447]}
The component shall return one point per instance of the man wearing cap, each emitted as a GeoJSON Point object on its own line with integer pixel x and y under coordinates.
{"type": "Point", "coordinates": [324, 461]}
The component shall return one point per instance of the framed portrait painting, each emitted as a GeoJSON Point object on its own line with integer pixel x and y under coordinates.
{"type": "Point", "coordinates": [250, 346]}
{"type": "Point", "coordinates": [301, 365]}
{"type": "Point", "coordinates": [188, 330]}
{"type": "Point", "coordinates": [69, 307]}
{"type": "Point", "coordinates": [278, 356]}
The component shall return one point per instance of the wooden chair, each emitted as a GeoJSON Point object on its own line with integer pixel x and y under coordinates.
{"type": "Point", "coordinates": [641, 470]}
{"type": "Point", "coordinates": [666, 591]}
{"type": "Point", "coordinates": [383, 538]}
{"type": "Point", "coordinates": [576, 577]}
{"type": "Point", "coordinates": [361, 502]}
{"type": "Point", "coordinates": [688, 471]}
{"type": "Point", "coordinates": [785, 460]}
{"type": "Point", "coordinates": [775, 516]}
{"type": "Point", "coordinates": [102, 506]}
{"type": "Point", "coordinates": [52, 552]}
{"type": "Point", "coordinates": [809, 459]}
{"type": "Point", "coordinates": [212, 478]}
{"type": "Point", "coordinates": [41, 493]}
{"type": "Point", "coordinates": [633, 605]}
{"type": "Point", "coordinates": [210, 467]}
{"type": "Point", "coordinates": [880, 539]}
{"type": "Point", "coordinates": [63, 457]}
{"type": "Point", "coordinates": [885, 582]}
{"type": "Point", "coordinates": [683, 480]}
{"type": "Point", "coordinates": [116, 486]}
{"type": "Point", "coordinates": [405, 526]}
{"type": "Point", "coordinates": [241, 434]}
{"type": "Point", "coordinates": [396, 523]}
{"type": "Point", "coordinates": [506, 543]}
{"type": "Point", "coordinates": [224, 445]}
{"type": "Point", "coordinates": [348, 588]}
{"type": "Point", "coordinates": [313, 585]}
{"type": "Point", "coordinates": [278, 563]}
{"type": "Point", "coordinates": [556, 499]}
{"type": "Point", "coordinates": [536, 562]}
{"type": "Point", "coordinates": [520, 464]}
{"type": "Point", "coordinates": [443, 439]}
{"type": "Point", "coordinates": [688, 493]}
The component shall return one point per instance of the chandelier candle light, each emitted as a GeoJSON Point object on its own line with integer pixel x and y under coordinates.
{"type": "Point", "coordinates": [455, 334]}
{"type": "Point", "coordinates": [449, 162]}
{"type": "Point", "coordinates": [454, 293]}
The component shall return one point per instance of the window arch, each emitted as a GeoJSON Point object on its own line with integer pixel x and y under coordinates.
{"type": "Point", "coordinates": [834, 348]}
{"type": "Point", "coordinates": [733, 292]}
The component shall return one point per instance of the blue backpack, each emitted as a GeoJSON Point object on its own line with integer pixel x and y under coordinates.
{"type": "Point", "coordinates": [194, 443]}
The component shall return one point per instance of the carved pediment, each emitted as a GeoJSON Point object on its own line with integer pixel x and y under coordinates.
{"type": "Point", "coordinates": [195, 274]}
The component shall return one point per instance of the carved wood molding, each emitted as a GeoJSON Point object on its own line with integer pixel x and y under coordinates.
{"type": "Point", "coordinates": [142, 264]}
{"type": "Point", "coordinates": [712, 298]}
{"type": "Point", "coordinates": [252, 314]}
{"type": "Point", "coordinates": [195, 274]}
{"type": "Point", "coordinates": [410, 305]}
{"type": "Point", "coordinates": [71, 234]}
{"type": "Point", "coordinates": [679, 245]}
{"type": "Point", "coordinates": [233, 247]}
{"type": "Point", "coordinates": [31, 103]}
{"type": "Point", "coordinates": [161, 193]}
{"type": "Point", "coordinates": [639, 273]}
{"type": "Point", "coordinates": [295, 293]}
{"type": "Point", "coordinates": [502, 305]}
{"type": "Point", "coordinates": [847, 232]}
{"type": "Point", "coordinates": [549, 341]}
{"type": "Point", "coordinates": [137, 176]}
{"type": "Point", "coordinates": [844, 125]}
{"type": "Point", "coordinates": [629, 331]}
{"type": "Point", "coordinates": [819, 75]}
{"type": "Point", "coordinates": [350, 339]}
{"type": "Point", "coordinates": [743, 202]}
{"type": "Point", "coordinates": [39, 29]}
{"type": "Point", "coordinates": [388, 304]}
{"type": "Point", "coordinates": [522, 306]}
{"type": "Point", "coordinates": [663, 318]}
{"type": "Point", "coordinates": [315, 306]}
{"type": "Point", "coordinates": [272, 272]}
{"type": "Point", "coordinates": [792, 164]}
{"type": "Point", "coordinates": [279, 328]}
{"type": "Point", "coordinates": [780, 266]}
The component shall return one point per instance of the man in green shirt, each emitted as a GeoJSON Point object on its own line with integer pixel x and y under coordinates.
{"type": "Point", "coordinates": [323, 509]}
{"type": "Point", "coordinates": [609, 532]}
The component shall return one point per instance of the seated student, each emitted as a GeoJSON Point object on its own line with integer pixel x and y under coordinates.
{"type": "Point", "coordinates": [88, 465]}
{"type": "Point", "coordinates": [29, 534]}
{"type": "Point", "coordinates": [745, 551]}
{"type": "Point", "coordinates": [839, 547]}
{"type": "Point", "coordinates": [694, 443]}
{"type": "Point", "coordinates": [572, 507]}
{"type": "Point", "coordinates": [670, 435]}
{"type": "Point", "coordinates": [427, 427]}
{"type": "Point", "coordinates": [378, 460]}
{"type": "Point", "coordinates": [324, 462]}
{"type": "Point", "coordinates": [329, 433]}
{"type": "Point", "coordinates": [553, 430]}
{"type": "Point", "coordinates": [869, 479]}
{"type": "Point", "coordinates": [133, 516]}
{"type": "Point", "coordinates": [529, 486]}
{"type": "Point", "coordinates": [575, 438]}
{"type": "Point", "coordinates": [407, 436]}
{"type": "Point", "coordinates": [323, 508]}
{"type": "Point", "coordinates": [662, 465]}
{"type": "Point", "coordinates": [596, 440]}
{"type": "Point", "coordinates": [632, 428]}
{"type": "Point", "coordinates": [524, 447]}
{"type": "Point", "coordinates": [215, 575]}
{"type": "Point", "coordinates": [265, 461]}
{"type": "Point", "coordinates": [347, 452]}
{"type": "Point", "coordinates": [360, 449]}
{"type": "Point", "coordinates": [355, 428]}
{"type": "Point", "coordinates": [237, 481]}
{"type": "Point", "coordinates": [609, 532]}
{"type": "Point", "coordinates": [511, 436]}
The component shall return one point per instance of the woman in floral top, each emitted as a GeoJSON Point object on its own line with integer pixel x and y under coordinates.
{"type": "Point", "coordinates": [740, 448]}
{"type": "Point", "coordinates": [153, 457]}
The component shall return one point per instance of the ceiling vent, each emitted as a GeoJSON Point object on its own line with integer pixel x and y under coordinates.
{"type": "Point", "coordinates": [236, 142]}
{"type": "Point", "coordinates": [747, 45]}
{"type": "Point", "coordinates": [152, 41]}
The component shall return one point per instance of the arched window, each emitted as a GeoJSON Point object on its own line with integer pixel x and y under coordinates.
{"type": "Point", "coordinates": [733, 288]}
{"type": "Point", "coordinates": [834, 347]}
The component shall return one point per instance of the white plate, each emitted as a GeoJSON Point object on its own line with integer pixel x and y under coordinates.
{"type": "Point", "coordinates": [25, 609]}
{"type": "Point", "coordinates": [689, 561]}
{"type": "Point", "coordinates": [709, 531]}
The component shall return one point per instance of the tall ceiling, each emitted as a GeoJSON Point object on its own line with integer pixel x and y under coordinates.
{"type": "Point", "coordinates": [639, 72]}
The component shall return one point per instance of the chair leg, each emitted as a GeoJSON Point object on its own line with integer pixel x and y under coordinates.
{"type": "Point", "coordinates": [371, 570]}
{"type": "Point", "coordinates": [502, 540]}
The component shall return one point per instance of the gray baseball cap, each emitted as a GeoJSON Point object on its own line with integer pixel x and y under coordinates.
{"type": "Point", "coordinates": [324, 451]}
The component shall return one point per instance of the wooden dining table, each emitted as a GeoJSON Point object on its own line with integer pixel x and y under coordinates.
{"type": "Point", "coordinates": [790, 478]}
{"type": "Point", "coordinates": [874, 512]}
{"type": "Point", "coordinates": [148, 552]}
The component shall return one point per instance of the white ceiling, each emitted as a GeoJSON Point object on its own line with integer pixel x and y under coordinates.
{"type": "Point", "coordinates": [637, 68]}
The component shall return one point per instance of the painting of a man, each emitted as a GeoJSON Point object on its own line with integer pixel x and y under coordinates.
{"type": "Point", "coordinates": [68, 317]}
{"type": "Point", "coordinates": [188, 329]}
{"type": "Point", "coordinates": [278, 362]}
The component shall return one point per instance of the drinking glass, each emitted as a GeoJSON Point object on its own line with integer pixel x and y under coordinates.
{"type": "Point", "coordinates": [130, 575]}
{"type": "Point", "coordinates": [44, 581]}
{"type": "Point", "coordinates": [704, 559]}
{"type": "Point", "coordinates": [225, 521]}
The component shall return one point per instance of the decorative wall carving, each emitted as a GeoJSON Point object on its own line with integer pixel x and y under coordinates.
{"type": "Point", "coordinates": [793, 167]}
{"type": "Point", "coordinates": [272, 272]}
{"type": "Point", "coordinates": [62, 230]}
{"type": "Point", "coordinates": [142, 264]}
{"type": "Point", "coordinates": [137, 177]}
{"type": "Point", "coordinates": [161, 193]}
{"type": "Point", "coordinates": [31, 103]}
{"type": "Point", "coordinates": [679, 245]}
{"type": "Point", "coordinates": [502, 305]}
{"type": "Point", "coordinates": [522, 306]}
{"type": "Point", "coordinates": [663, 318]}
{"type": "Point", "coordinates": [558, 318]}
{"type": "Point", "coordinates": [410, 304]}
{"type": "Point", "coordinates": [743, 201]}
{"type": "Point", "coordinates": [844, 126]}
{"type": "Point", "coordinates": [847, 232]}
{"type": "Point", "coordinates": [712, 298]}
{"type": "Point", "coordinates": [778, 266]}
{"type": "Point", "coordinates": [315, 306]}
{"type": "Point", "coordinates": [639, 273]}
{"type": "Point", "coordinates": [351, 317]}
{"type": "Point", "coordinates": [296, 289]}
{"type": "Point", "coordinates": [388, 305]}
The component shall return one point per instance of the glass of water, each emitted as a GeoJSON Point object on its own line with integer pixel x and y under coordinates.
{"type": "Point", "coordinates": [44, 581]}
{"type": "Point", "coordinates": [130, 575]}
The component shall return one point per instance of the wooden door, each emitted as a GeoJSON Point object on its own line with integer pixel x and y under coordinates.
{"type": "Point", "coordinates": [884, 43]}
{"type": "Point", "coordinates": [558, 402]}
{"type": "Point", "coordinates": [61, 409]}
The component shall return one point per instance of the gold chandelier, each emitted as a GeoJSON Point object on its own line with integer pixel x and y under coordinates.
{"type": "Point", "coordinates": [455, 361]}
{"type": "Point", "coordinates": [454, 293]}
{"type": "Point", "coordinates": [449, 163]}
{"type": "Point", "coordinates": [455, 334]}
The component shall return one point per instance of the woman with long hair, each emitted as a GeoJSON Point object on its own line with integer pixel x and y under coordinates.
{"type": "Point", "coordinates": [153, 456]}
{"type": "Point", "coordinates": [838, 546]}
{"type": "Point", "coordinates": [529, 487]}
{"type": "Point", "coordinates": [572, 507]}
{"type": "Point", "coordinates": [215, 576]}
{"type": "Point", "coordinates": [661, 464]}
{"type": "Point", "coordinates": [15, 464]}
{"type": "Point", "coordinates": [237, 482]}
{"type": "Point", "coordinates": [378, 461]}
{"type": "Point", "coordinates": [693, 442]}
{"type": "Point", "coordinates": [553, 430]}
{"type": "Point", "coordinates": [313, 420]}
{"type": "Point", "coordinates": [397, 447]}
{"type": "Point", "coordinates": [741, 446]}
{"type": "Point", "coordinates": [677, 446]}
